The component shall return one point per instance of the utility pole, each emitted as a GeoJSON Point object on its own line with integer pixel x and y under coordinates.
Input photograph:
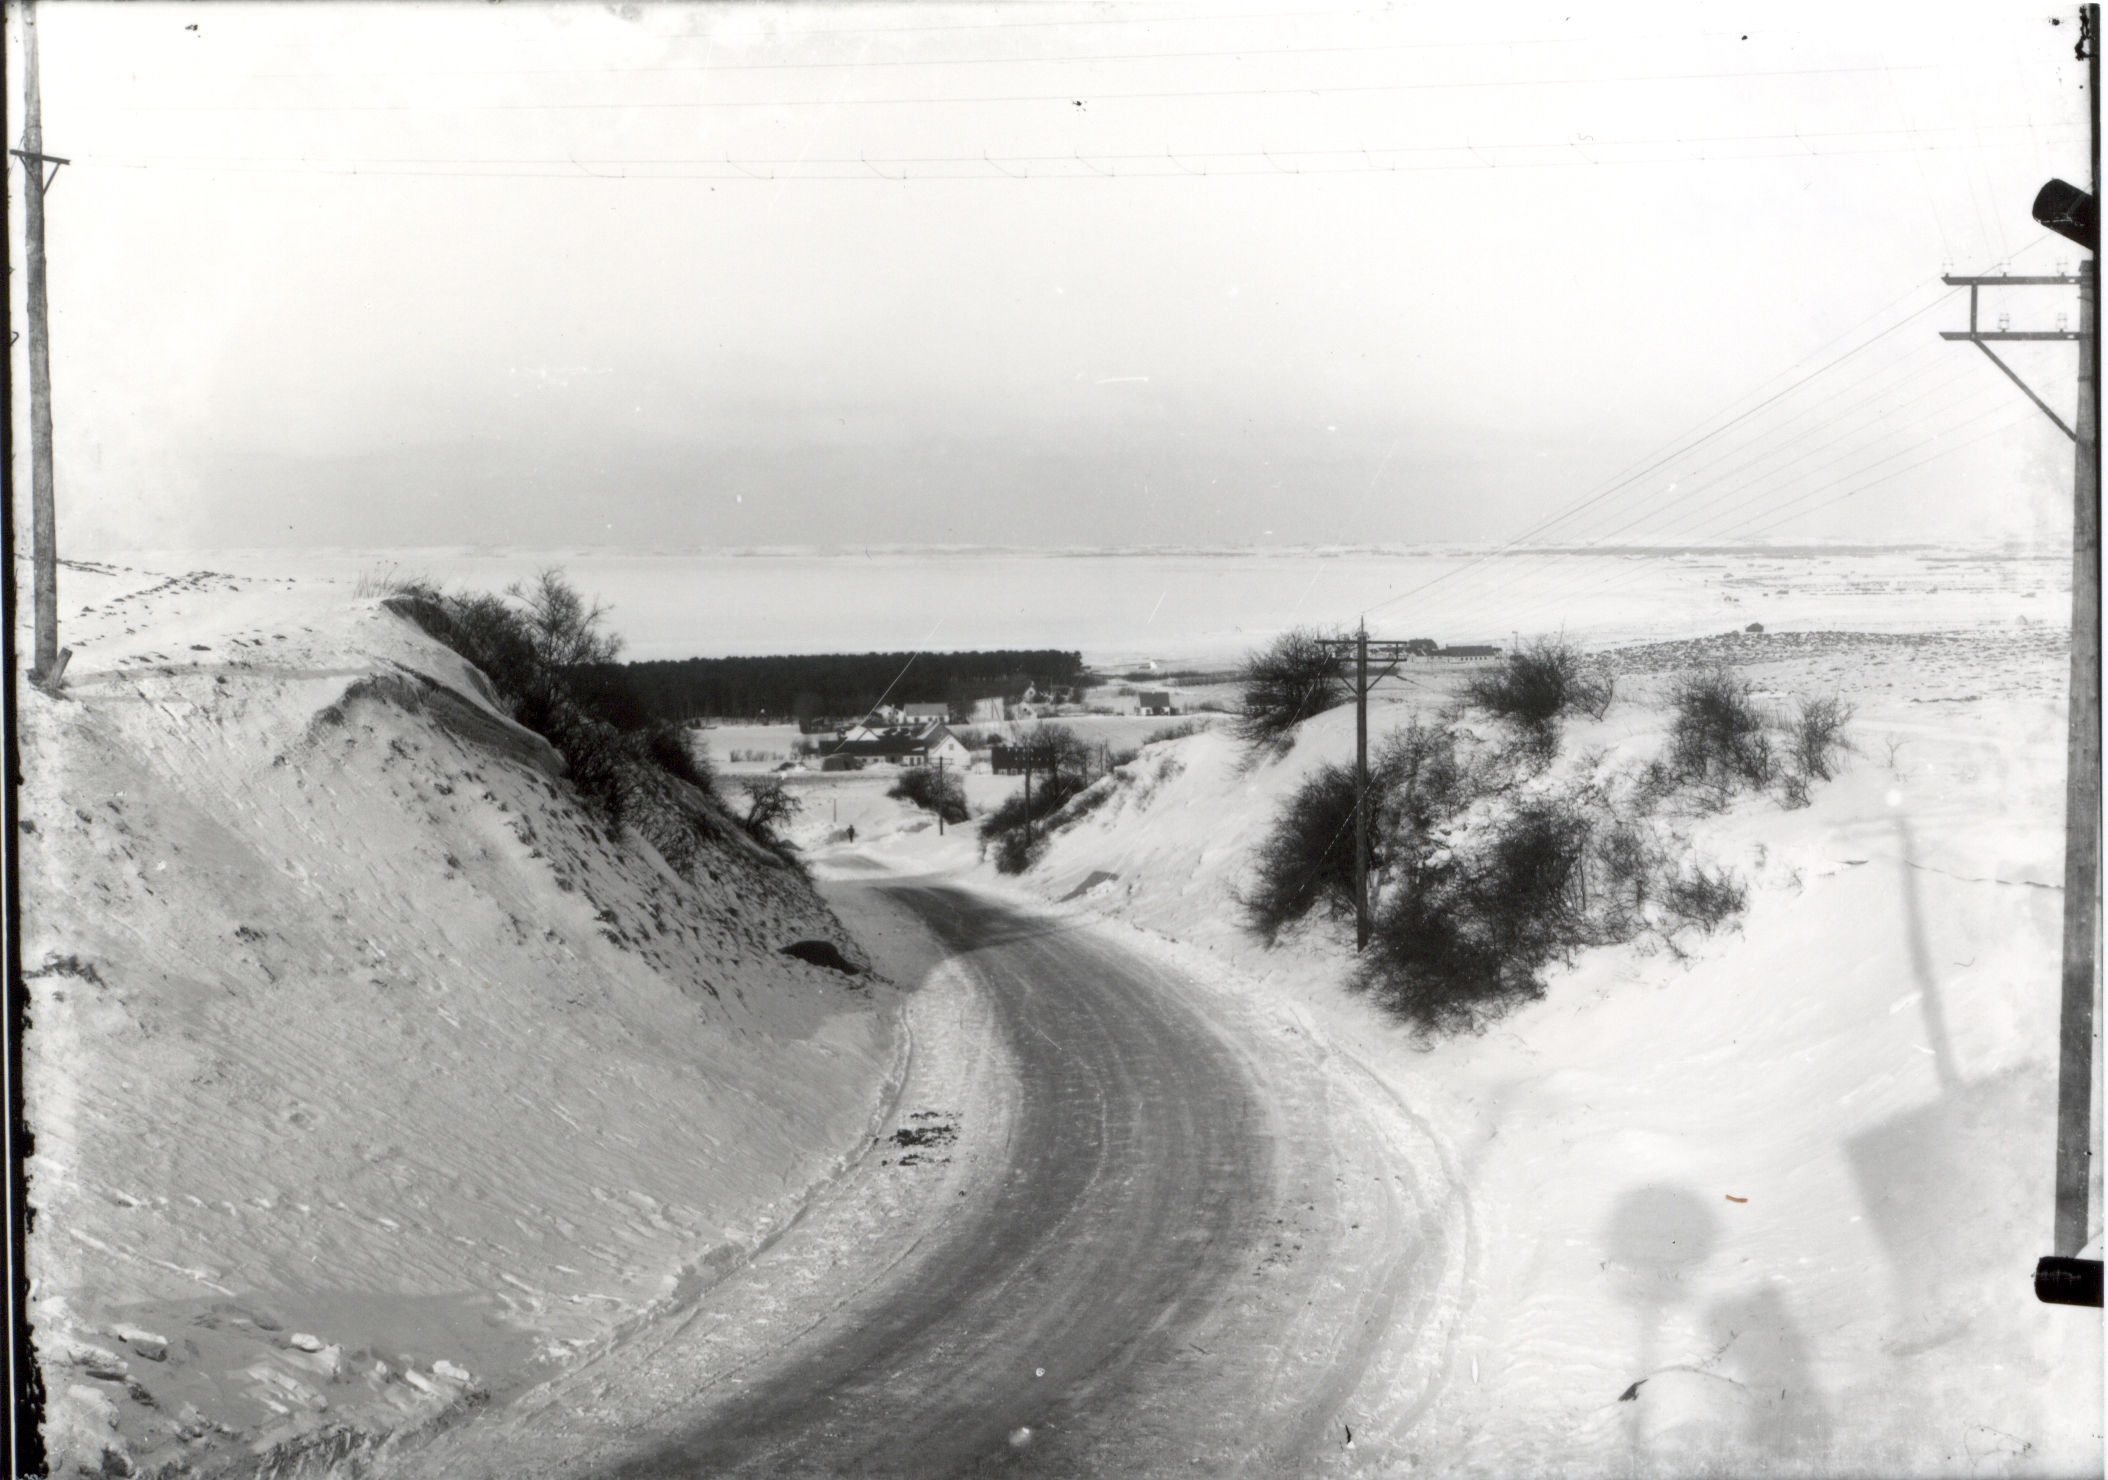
{"type": "Point", "coordinates": [2082, 786]}
{"type": "Point", "coordinates": [1361, 786]}
{"type": "Point", "coordinates": [48, 665]}
{"type": "Point", "coordinates": [2062, 1278]}
{"type": "Point", "coordinates": [1392, 653]}
{"type": "Point", "coordinates": [940, 796]}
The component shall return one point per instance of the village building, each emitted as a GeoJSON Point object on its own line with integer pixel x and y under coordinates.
{"type": "Point", "coordinates": [902, 745]}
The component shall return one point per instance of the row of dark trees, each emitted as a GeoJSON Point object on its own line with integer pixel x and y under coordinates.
{"type": "Point", "coordinates": [809, 686]}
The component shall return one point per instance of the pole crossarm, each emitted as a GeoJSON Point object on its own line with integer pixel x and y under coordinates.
{"type": "Point", "coordinates": [26, 155]}
{"type": "Point", "coordinates": [1980, 336]}
{"type": "Point", "coordinates": [1983, 339]}
{"type": "Point", "coordinates": [1379, 652]}
{"type": "Point", "coordinates": [2002, 281]}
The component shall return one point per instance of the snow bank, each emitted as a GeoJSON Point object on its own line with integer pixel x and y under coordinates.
{"type": "Point", "coordinates": [369, 1076]}
{"type": "Point", "coordinates": [1769, 1208]}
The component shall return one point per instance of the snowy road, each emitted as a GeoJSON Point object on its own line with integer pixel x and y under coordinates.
{"type": "Point", "coordinates": [1140, 1167]}
{"type": "Point", "coordinates": [1163, 1239]}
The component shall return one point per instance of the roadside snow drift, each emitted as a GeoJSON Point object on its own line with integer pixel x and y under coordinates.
{"type": "Point", "coordinates": [369, 1076]}
{"type": "Point", "coordinates": [1771, 1205]}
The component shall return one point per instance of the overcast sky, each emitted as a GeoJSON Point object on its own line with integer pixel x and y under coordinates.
{"type": "Point", "coordinates": [1232, 273]}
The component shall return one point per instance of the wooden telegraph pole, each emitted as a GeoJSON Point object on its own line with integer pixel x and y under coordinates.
{"type": "Point", "coordinates": [2063, 1278]}
{"type": "Point", "coordinates": [43, 513]}
{"type": "Point", "coordinates": [1361, 786]}
{"type": "Point", "coordinates": [2082, 786]}
{"type": "Point", "coordinates": [1391, 653]}
{"type": "Point", "coordinates": [48, 664]}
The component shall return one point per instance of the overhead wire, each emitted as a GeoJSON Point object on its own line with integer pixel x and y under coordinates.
{"type": "Point", "coordinates": [733, 68]}
{"type": "Point", "coordinates": [1688, 440]}
{"type": "Point", "coordinates": [1622, 483]}
{"type": "Point", "coordinates": [1364, 157]}
{"type": "Point", "coordinates": [1322, 90]}
{"type": "Point", "coordinates": [1544, 595]}
{"type": "Point", "coordinates": [1532, 612]}
{"type": "Point", "coordinates": [1734, 449]}
{"type": "Point", "coordinates": [1545, 586]}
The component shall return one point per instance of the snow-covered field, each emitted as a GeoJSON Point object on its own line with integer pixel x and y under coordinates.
{"type": "Point", "coordinates": [369, 1077]}
{"type": "Point", "coordinates": [381, 1047]}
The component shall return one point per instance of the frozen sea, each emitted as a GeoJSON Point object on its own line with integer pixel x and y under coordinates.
{"type": "Point", "coordinates": [1208, 607]}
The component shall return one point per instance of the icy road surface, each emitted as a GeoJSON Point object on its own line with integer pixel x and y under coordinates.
{"type": "Point", "coordinates": [1130, 1228]}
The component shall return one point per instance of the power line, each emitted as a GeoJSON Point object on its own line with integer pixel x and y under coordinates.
{"type": "Point", "coordinates": [1075, 165]}
{"type": "Point", "coordinates": [1546, 594]}
{"type": "Point", "coordinates": [1729, 476]}
{"type": "Point", "coordinates": [1092, 21]}
{"type": "Point", "coordinates": [1655, 461]}
{"type": "Point", "coordinates": [1541, 601]}
{"type": "Point", "coordinates": [1322, 90]}
{"type": "Point", "coordinates": [1681, 511]}
{"type": "Point", "coordinates": [718, 69]}
{"type": "Point", "coordinates": [1358, 151]}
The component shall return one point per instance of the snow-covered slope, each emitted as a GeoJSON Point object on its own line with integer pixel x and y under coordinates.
{"type": "Point", "coordinates": [1792, 1185]}
{"type": "Point", "coordinates": [367, 1073]}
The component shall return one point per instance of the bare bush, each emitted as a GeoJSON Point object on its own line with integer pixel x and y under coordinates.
{"type": "Point", "coordinates": [1718, 736]}
{"type": "Point", "coordinates": [567, 630]}
{"type": "Point", "coordinates": [1537, 685]}
{"type": "Point", "coordinates": [1418, 780]}
{"type": "Point", "coordinates": [1307, 858]}
{"type": "Point", "coordinates": [1819, 741]}
{"type": "Point", "coordinates": [667, 744]}
{"type": "Point", "coordinates": [1180, 731]}
{"type": "Point", "coordinates": [933, 790]}
{"type": "Point", "coordinates": [389, 580]}
{"type": "Point", "coordinates": [1703, 898]}
{"type": "Point", "coordinates": [1486, 876]}
{"type": "Point", "coordinates": [1014, 833]}
{"type": "Point", "coordinates": [548, 656]}
{"type": "Point", "coordinates": [1296, 677]}
{"type": "Point", "coordinates": [1466, 938]}
{"type": "Point", "coordinates": [769, 804]}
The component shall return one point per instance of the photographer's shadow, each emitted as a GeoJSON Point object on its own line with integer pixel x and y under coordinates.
{"type": "Point", "coordinates": [1733, 1379]}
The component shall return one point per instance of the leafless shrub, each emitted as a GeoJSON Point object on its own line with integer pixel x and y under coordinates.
{"type": "Point", "coordinates": [1466, 936]}
{"type": "Point", "coordinates": [769, 804]}
{"type": "Point", "coordinates": [388, 580]}
{"type": "Point", "coordinates": [1719, 737]}
{"type": "Point", "coordinates": [1307, 857]}
{"type": "Point", "coordinates": [1015, 831]}
{"type": "Point", "coordinates": [1179, 731]}
{"type": "Point", "coordinates": [1537, 685]}
{"type": "Point", "coordinates": [1819, 740]}
{"type": "Point", "coordinates": [933, 790]}
{"type": "Point", "coordinates": [1294, 678]}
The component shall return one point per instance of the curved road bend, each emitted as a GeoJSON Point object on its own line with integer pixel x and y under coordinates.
{"type": "Point", "coordinates": [1139, 1154]}
{"type": "Point", "coordinates": [1178, 1246]}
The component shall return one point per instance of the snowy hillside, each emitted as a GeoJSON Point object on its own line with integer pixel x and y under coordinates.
{"type": "Point", "coordinates": [1770, 1208]}
{"type": "Point", "coordinates": [369, 1075]}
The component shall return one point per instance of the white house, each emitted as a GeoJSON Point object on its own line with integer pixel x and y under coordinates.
{"type": "Point", "coordinates": [939, 743]}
